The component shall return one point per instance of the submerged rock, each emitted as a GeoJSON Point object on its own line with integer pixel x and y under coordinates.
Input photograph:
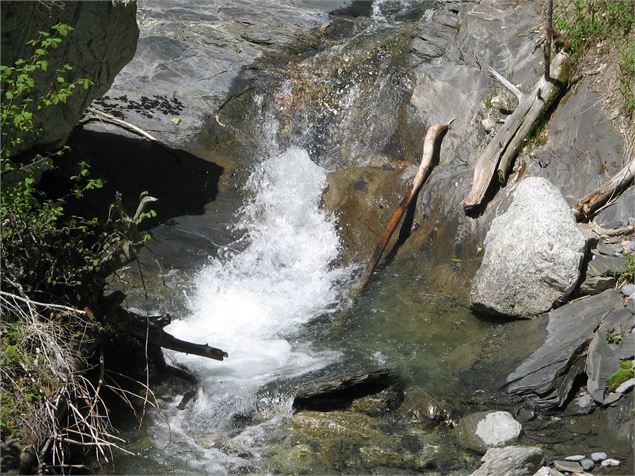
{"type": "Point", "coordinates": [547, 376]}
{"type": "Point", "coordinates": [422, 408]}
{"type": "Point", "coordinates": [533, 254]}
{"type": "Point", "coordinates": [482, 430]}
{"type": "Point", "coordinates": [510, 461]}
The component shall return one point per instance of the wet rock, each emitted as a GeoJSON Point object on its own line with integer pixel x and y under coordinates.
{"type": "Point", "coordinates": [567, 466]}
{"type": "Point", "coordinates": [604, 351]}
{"type": "Point", "coordinates": [598, 456]}
{"type": "Point", "coordinates": [103, 41]}
{"type": "Point", "coordinates": [339, 393]}
{"type": "Point", "coordinates": [422, 408]}
{"type": "Point", "coordinates": [483, 430]}
{"type": "Point", "coordinates": [587, 464]}
{"type": "Point", "coordinates": [510, 461]}
{"type": "Point", "coordinates": [547, 471]}
{"type": "Point", "coordinates": [533, 254]}
{"type": "Point", "coordinates": [379, 403]}
{"type": "Point", "coordinates": [610, 463]}
{"type": "Point", "coordinates": [547, 375]}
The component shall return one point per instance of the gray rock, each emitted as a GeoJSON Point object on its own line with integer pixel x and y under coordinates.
{"type": "Point", "coordinates": [483, 430]}
{"type": "Point", "coordinates": [610, 462]}
{"type": "Point", "coordinates": [103, 40]}
{"type": "Point", "coordinates": [510, 461]}
{"type": "Point", "coordinates": [547, 375]}
{"type": "Point", "coordinates": [422, 408]}
{"type": "Point", "coordinates": [547, 471]}
{"type": "Point", "coordinates": [575, 458]}
{"type": "Point", "coordinates": [598, 456]}
{"type": "Point", "coordinates": [567, 466]}
{"type": "Point", "coordinates": [587, 464]}
{"type": "Point", "coordinates": [626, 386]}
{"type": "Point", "coordinates": [533, 254]}
{"type": "Point", "coordinates": [628, 290]}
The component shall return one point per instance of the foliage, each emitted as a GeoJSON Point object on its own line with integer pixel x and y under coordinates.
{"type": "Point", "coordinates": [615, 337]}
{"type": "Point", "coordinates": [619, 377]}
{"type": "Point", "coordinates": [627, 273]}
{"type": "Point", "coordinates": [627, 77]}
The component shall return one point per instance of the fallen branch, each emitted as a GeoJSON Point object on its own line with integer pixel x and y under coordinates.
{"type": "Point", "coordinates": [105, 117]}
{"type": "Point", "coordinates": [506, 83]}
{"type": "Point", "coordinates": [502, 149]}
{"type": "Point", "coordinates": [609, 232]}
{"type": "Point", "coordinates": [587, 206]}
{"type": "Point", "coordinates": [430, 151]}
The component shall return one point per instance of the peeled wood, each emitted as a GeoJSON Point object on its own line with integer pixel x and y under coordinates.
{"type": "Point", "coordinates": [429, 148]}
{"type": "Point", "coordinates": [502, 149]}
{"type": "Point", "coordinates": [587, 206]}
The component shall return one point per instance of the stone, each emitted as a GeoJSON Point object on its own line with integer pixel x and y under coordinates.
{"type": "Point", "coordinates": [510, 461]}
{"type": "Point", "coordinates": [422, 408]}
{"type": "Point", "coordinates": [575, 458]}
{"type": "Point", "coordinates": [610, 462]}
{"type": "Point", "coordinates": [546, 377]}
{"type": "Point", "coordinates": [598, 456]}
{"type": "Point", "coordinates": [483, 430]}
{"type": "Point", "coordinates": [547, 471]}
{"type": "Point", "coordinates": [628, 290]}
{"type": "Point", "coordinates": [626, 386]}
{"type": "Point", "coordinates": [533, 254]}
{"type": "Point", "coordinates": [503, 104]}
{"type": "Point", "coordinates": [103, 41]}
{"type": "Point", "coordinates": [488, 124]}
{"type": "Point", "coordinates": [587, 464]}
{"type": "Point", "coordinates": [567, 466]}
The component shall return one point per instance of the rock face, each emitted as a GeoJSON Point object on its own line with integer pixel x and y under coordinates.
{"type": "Point", "coordinates": [533, 254]}
{"type": "Point", "coordinates": [483, 430]}
{"type": "Point", "coordinates": [103, 41]}
{"type": "Point", "coordinates": [510, 461]}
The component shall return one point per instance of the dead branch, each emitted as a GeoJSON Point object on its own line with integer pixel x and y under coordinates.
{"type": "Point", "coordinates": [585, 208]}
{"type": "Point", "coordinates": [502, 149]}
{"type": "Point", "coordinates": [506, 83]}
{"type": "Point", "coordinates": [105, 117]}
{"type": "Point", "coordinates": [548, 38]}
{"type": "Point", "coordinates": [609, 232]}
{"type": "Point", "coordinates": [430, 151]}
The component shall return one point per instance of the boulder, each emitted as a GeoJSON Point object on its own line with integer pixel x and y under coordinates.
{"type": "Point", "coordinates": [510, 461]}
{"type": "Point", "coordinates": [482, 430]}
{"type": "Point", "coordinates": [547, 376]}
{"type": "Point", "coordinates": [533, 254]}
{"type": "Point", "coordinates": [103, 41]}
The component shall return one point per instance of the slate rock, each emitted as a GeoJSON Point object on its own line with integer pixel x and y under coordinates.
{"type": "Point", "coordinates": [626, 386]}
{"type": "Point", "coordinates": [575, 458]}
{"type": "Point", "coordinates": [510, 461]}
{"type": "Point", "coordinates": [598, 456]}
{"type": "Point", "coordinates": [533, 254]}
{"type": "Point", "coordinates": [482, 430]}
{"type": "Point", "coordinates": [547, 375]}
{"type": "Point", "coordinates": [587, 464]}
{"type": "Point", "coordinates": [567, 466]}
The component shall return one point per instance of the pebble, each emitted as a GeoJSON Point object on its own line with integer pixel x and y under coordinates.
{"type": "Point", "coordinates": [568, 466]}
{"type": "Point", "coordinates": [575, 457]}
{"type": "Point", "coordinates": [626, 386]}
{"type": "Point", "coordinates": [628, 289]}
{"type": "Point", "coordinates": [610, 462]}
{"type": "Point", "coordinates": [599, 456]}
{"type": "Point", "coordinates": [587, 464]}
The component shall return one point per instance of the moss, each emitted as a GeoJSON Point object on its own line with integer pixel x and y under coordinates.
{"type": "Point", "coordinates": [619, 377]}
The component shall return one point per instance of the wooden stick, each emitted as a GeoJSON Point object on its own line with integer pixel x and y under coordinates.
{"type": "Point", "coordinates": [548, 38]}
{"type": "Point", "coordinates": [121, 123]}
{"type": "Point", "coordinates": [429, 148]}
{"type": "Point", "coordinates": [506, 83]}
{"type": "Point", "coordinates": [503, 148]}
{"type": "Point", "coordinates": [587, 206]}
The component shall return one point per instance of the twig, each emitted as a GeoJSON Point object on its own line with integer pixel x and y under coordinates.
{"type": "Point", "coordinates": [28, 301]}
{"type": "Point", "coordinates": [506, 83]}
{"type": "Point", "coordinates": [121, 123]}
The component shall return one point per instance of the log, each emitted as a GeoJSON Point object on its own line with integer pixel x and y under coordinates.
{"type": "Point", "coordinates": [587, 206]}
{"type": "Point", "coordinates": [430, 151]}
{"type": "Point", "coordinates": [502, 149]}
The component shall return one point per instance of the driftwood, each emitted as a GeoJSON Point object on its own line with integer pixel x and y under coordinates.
{"type": "Point", "coordinates": [502, 149]}
{"type": "Point", "coordinates": [430, 150]}
{"type": "Point", "coordinates": [587, 206]}
{"type": "Point", "coordinates": [105, 117]}
{"type": "Point", "coordinates": [506, 83]}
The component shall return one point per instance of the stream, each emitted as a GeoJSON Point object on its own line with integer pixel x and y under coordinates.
{"type": "Point", "coordinates": [270, 286]}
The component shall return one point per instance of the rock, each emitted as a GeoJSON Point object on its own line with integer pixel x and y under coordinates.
{"type": "Point", "coordinates": [103, 41]}
{"type": "Point", "coordinates": [502, 104]}
{"type": "Point", "coordinates": [587, 464]}
{"type": "Point", "coordinates": [488, 124]}
{"type": "Point", "coordinates": [583, 403]}
{"type": "Point", "coordinates": [378, 403]}
{"type": "Point", "coordinates": [610, 462]}
{"type": "Point", "coordinates": [575, 458]}
{"type": "Point", "coordinates": [483, 430]}
{"type": "Point", "coordinates": [598, 456]}
{"type": "Point", "coordinates": [533, 254]}
{"type": "Point", "coordinates": [628, 290]}
{"type": "Point", "coordinates": [339, 393]}
{"type": "Point", "coordinates": [421, 408]}
{"type": "Point", "coordinates": [510, 461]}
{"type": "Point", "coordinates": [567, 466]}
{"type": "Point", "coordinates": [626, 386]}
{"type": "Point", "coordinates": [547, 375]}
{"type": "Point", "coordinates": [547, 471]}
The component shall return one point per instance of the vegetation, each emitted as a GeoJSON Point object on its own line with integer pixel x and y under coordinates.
{"type": "Point", "coordinates": [622, 375]}
{"type": "Point", "coordinates": [54, 264]}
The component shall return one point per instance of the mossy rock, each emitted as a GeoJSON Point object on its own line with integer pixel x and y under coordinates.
{"type": "Point", "coordinates": [619, 377]}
